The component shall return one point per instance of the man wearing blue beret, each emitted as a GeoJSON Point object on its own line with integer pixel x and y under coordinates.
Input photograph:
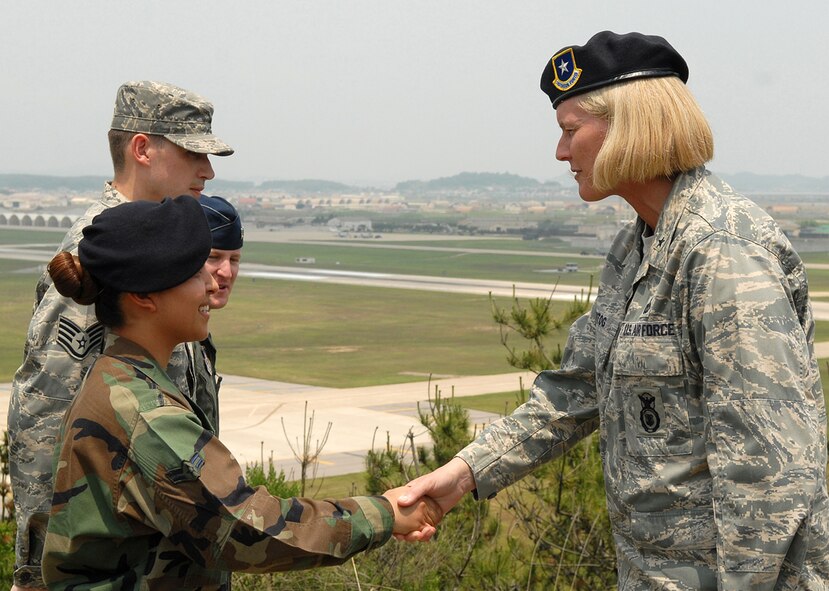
{"type": "Point", "coordinates": [223, 264]}
{"type": "Point", "coordinates": [228, 237]}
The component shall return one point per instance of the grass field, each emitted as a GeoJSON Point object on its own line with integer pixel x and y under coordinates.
{"type": "Point", "coordinates": [16, 310]}
{"type": "Point", "coordinates": [341, 335]}
{"type": "Point", "coordinates": [347, 336]}
{"type": "Point", "coordinates": [358, 256]}
{"type": "Point", "coordinates": [477, 265]}
{"type": "Point", "coordinates": [31, 236]}
{"type": "Point", "coordinates": [547, 245]}
{"type": "Point", "coordinates": [365, 256]}
{"type": "Point", "coordinates": [318, 334]}
{"type": "Point", "coordinates": [815, 257]}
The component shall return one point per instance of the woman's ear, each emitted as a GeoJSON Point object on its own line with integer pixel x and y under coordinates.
{"type": "Point", "coordinates": [141, 301]}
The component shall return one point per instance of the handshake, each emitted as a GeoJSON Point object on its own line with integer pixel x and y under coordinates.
{"type": "Point", "coordinates": [421, 504]}
{"type": "Point", "coordinates": [415, 522]}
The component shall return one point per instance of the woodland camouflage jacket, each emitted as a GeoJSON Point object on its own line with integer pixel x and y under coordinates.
{"type": "Point", "coordinates": [64, 339]}
{"type": "Point", "coordinates": [147, 497]}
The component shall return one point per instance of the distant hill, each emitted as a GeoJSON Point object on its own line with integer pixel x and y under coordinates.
{"type": "Point", "coordinates": [471, 181]}
{"type": "Point", "coordinates": [219, 186]}
{"type": "Point", "coordinates": [36, 182]}
{"type": "Point", "coordinates": [463, 181]}
{"type": "Point", "coordinates": [495, 184]}
{"type": "Point", "coordinates": [748, 182]}
{"type": "Point", "coordinates": [308, 186]}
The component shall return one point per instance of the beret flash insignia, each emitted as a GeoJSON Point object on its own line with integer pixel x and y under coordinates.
{"type": "Point", "coordinates": [567, 73]}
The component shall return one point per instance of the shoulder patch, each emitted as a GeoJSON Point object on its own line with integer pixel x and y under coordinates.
{"type": "Point", "coordinates": [188, 471]}
{"type": "Point", "coordinates": [77, 342]}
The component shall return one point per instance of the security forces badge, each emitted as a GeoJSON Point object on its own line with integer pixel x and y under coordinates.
{"type": "Point", "coordinates": [649, 416]}
{"type": "Point", "coordinates": [78, 342]}
{"type": "Point", "coordinates": [651, 412]}
{"type": "Point", "coordinates": [567, 73]}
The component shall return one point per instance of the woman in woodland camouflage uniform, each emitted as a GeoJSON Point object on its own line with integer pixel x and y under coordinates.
{"type": "Point", "coordinates": [145, 495]}
{"type": "Point", "coordinates": [696, 362]}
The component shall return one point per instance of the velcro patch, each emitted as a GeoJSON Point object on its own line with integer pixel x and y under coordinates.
{"type": "Point", "coordinates": [77, 342]}
{"type": "Point", "coordinates": [188, 471]}
{"type": "Point", "coordinates": [651, 412]}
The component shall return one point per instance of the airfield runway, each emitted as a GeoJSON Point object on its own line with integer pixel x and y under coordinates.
{"type": "Point", "coordinates": [262, 418]}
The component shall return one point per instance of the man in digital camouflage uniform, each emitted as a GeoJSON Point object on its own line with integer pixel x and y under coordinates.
{"type": "Point", "coordinates": [223, 264]}
{"type": "Point", "coordinates": [160, 139]}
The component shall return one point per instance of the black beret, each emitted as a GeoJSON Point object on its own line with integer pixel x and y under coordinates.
{"type": "Point", "coordinates": [225, 224]}
{"type": "Point", "coordinates": [608, 58]}
{"type": "Point", "coordinates": [144, 246]}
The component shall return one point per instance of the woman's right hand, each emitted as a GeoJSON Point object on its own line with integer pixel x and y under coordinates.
{"type": "Point", "coordinates": [446, 486]}
{"type": "Point", "coordinates": [421, 517]}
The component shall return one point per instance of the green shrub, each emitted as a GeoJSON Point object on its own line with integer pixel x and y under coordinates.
{"type": "Point", "coordinates": [8, 529]}
{"type": "Point", "coordinates": [276, 483]}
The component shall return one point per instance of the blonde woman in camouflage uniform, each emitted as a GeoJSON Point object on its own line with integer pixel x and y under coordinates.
{"type": "Point", "coordinates": [160, 139]}
{"type": "Point", "coordinates": [696, 362]}
{"type": "Point", "coordinates": [146, 496]}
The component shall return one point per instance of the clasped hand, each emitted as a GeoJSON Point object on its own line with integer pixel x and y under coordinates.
{"type": "Point", "coordinates": [421, 504]}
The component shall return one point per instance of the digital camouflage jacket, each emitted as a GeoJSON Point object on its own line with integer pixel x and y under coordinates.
{"type": "Point", "coordinates": [147, 497]}
{"type": "Point", "coordinates": [193, 370]}
{"type": "Point", "coordinates": [696, 363]}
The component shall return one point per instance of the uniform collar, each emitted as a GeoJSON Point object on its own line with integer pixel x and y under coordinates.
{"type": "Point", "coordinates": [112, 196]}
{"type": "Point", "coordinates": [684, 187]}
{"type": "Point", "coordinates": [130, 352]}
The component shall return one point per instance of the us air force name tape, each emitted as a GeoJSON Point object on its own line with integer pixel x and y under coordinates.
{"type": "Point", "coordinates": [609, 58]}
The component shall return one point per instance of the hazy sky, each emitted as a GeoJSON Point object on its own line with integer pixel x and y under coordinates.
{"type": "Point", "coordinates": [380, 91]}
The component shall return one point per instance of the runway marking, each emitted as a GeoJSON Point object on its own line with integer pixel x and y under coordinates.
{"type": "Point", "coordinates": [262, 420]}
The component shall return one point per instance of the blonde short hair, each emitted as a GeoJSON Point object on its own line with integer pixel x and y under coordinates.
{"type": "Point", "coordinates": [656, 129]}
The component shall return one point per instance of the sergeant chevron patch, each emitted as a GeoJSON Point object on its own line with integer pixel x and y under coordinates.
{"type": "Point", "coordinates": [79, 342]}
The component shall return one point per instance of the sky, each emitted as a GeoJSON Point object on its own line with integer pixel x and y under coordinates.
{"type": "Point", "coordinates": [382, 91]}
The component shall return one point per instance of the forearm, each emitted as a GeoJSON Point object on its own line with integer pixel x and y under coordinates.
{"type": "Point", "coordinates": [537, 432]}
{"type": "Point", "coordinates": [248, 530]}
{"type": "Point", "coordinates": [309, 533]}
{"type": "Point", "coordinates": [37, 421]}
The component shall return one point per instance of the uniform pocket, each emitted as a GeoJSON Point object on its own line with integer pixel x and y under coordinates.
{"type": "Point", "coordinates": [650, 387]}
{"type": "Point", "coordinates": [689, 529]}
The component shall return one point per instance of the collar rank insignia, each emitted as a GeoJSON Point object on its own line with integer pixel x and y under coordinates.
{"type": "Point", "coordinates": [77, 342]}
{"type": "Point", "coordinates": [207, 363]}
{"type": "Point", "coordinates": [567, 73]}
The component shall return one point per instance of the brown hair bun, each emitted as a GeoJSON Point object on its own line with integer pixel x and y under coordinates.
{"type": "Point", "coordinates": [71, 280]}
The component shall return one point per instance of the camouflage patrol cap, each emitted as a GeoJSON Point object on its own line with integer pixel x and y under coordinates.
{"type": "Point", "coordinates": [158, 108]}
